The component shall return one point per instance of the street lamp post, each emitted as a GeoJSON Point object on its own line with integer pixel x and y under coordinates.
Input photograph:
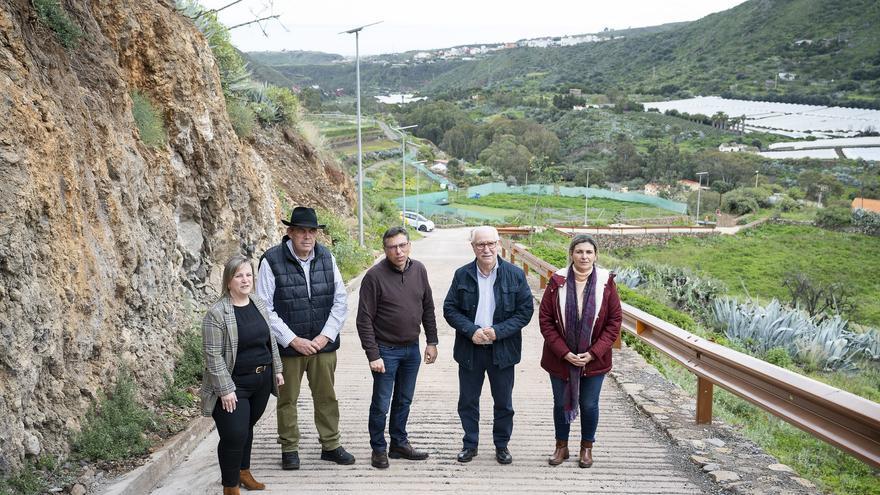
{"type": "Point", "coordinates": [416, 165]}
{"type": "Point", "coordinates": [403, 158]}
{"type": "Point", "coordinates": [699, 190]}
{"type": "Point", "coordinates": [823, 188]}
{"type": "Point", "coordinates": [357, 57]}
{"type": "Point", "coordinates": [587, 196]}
{"type": "Point", "coordinates": [756, 179]}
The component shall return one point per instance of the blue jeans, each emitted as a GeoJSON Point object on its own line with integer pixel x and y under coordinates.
{"type": "Point", "coordinates": [589, 401]}
{"type": "Point", "coordinates": [396, 386]}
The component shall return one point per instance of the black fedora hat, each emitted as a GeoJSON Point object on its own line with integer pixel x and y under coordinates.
{"type": "Point", "coordinates": [302, 216]}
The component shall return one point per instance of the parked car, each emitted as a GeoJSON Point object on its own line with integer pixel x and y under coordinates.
{"type": "Point", "coordinates": [418, 221]}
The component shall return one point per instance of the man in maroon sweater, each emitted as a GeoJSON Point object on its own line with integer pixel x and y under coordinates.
{"type": "Point", "coordinates": [395, 299]}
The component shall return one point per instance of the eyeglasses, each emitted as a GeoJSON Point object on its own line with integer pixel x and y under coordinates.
{"type": "Point", "coordinates": [400, 246]}
{"type": "Point", "coordinates": [485, 245]}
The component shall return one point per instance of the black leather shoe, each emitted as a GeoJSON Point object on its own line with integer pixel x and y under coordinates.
{"type": "Point", "coordinates": [290, 460]}
{"type": "Point", "coordinates": [337, 455]}
{"type": "Point", "coordinates": [406, 451]}
{"type": "Point", "coordinates": [503, 456]}
{"type": "Point", "coordinates": [466, 454]}
{"type": "Point", "coordinates": [379, 460]}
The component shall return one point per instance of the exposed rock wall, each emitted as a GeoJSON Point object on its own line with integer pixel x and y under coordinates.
{"type": "Point", "coordinates": [109, 248]}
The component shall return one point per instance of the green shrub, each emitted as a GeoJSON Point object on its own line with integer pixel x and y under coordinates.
{"type": "Point", "coordinates": [738, 202]}
{"type": "Point", "coordinates": [867, 222]}
{"type": "Point", "coordinates": [556, 257]}
{"type": "Point", "coordinates": [788, 204]}
{"type": "Point", "coordinates": [114, 427]}
{"type": "Point", "coordinates": [833, 217]}
{"type": "Point", "coordinates": [149, 122]}
{"type": "Point", "coordinates": [287, 105]}
{"type": "Point", "coordinates": [654, 308]}
{"type": "Point", "coordinates": [53, 15]}
{"type": "Point", "coordinates": [187, 370]}
{"type": "Point", "coordinates": [682, 286]}
{"type": "Point", "coordinates": [778, 356]}
{"type": "Point", "coordinates": [26, 481]}
{"type": "Point", "coordinates": [350, 256]}
{"type": "Point", "coordinates": [242, 118]}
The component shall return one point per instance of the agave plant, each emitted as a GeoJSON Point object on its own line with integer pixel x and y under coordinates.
{"type": "Point", "coordinates": [628, 276]}
{"type": "Point", "coordinates": [830, 348]}
{"type": "Point", "coordinates": [687, 290]}
{"type": "Point", "coordinates": [822, 345]}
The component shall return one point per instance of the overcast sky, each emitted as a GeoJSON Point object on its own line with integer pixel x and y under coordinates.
{"type": "Point", "coordinates": [415, 25]}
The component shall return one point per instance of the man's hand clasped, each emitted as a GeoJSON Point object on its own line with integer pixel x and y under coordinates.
{"type": "Point", "coordinates": [484, 336]}
{"type": "Point", "coordinates": [308, 347]}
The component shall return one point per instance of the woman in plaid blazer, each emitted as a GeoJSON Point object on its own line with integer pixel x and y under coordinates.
{"type": "Point", "coordinates": [242, 367]}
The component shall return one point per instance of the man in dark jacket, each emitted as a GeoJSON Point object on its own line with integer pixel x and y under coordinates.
{"type": "Point", "coordinates": [488, 304]}
{"type": "Point", "coordinates": [395, 301]}
{"type": "Point", "coordinates": [306, 300]}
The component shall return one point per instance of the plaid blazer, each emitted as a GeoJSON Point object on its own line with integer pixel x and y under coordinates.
{"type": "Point", "coordinates": [220, 347]}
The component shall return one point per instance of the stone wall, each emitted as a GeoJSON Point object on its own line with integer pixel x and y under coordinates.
{"type": "Point", "coordinates": [611, 241]}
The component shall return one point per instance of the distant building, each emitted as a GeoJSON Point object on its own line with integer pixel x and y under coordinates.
{"type": "Point", "coordinates": [732, 147]}
{"type": "Point", "coordinates": [653, 189]}
{"type": "Point", "coordinates": [872, 205]}
{"type": "Point", "coordinates": [574, 91]}
{"type": "Point", "coordinates": [689, 184]}
{"type": "Point", "coordinates": [787, 76]}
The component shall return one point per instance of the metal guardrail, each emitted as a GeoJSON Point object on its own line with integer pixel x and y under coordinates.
{"type": "Point", "coordinates": [835, 416]}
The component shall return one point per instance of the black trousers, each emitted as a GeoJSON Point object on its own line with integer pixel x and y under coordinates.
{"type": "Point", "coordinates": [470, 383]}
{"type": "Point", "coordinates": [236, 429]}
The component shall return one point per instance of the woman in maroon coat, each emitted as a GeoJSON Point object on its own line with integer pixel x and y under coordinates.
{"type": "Point", "coordinates": [580, 319]}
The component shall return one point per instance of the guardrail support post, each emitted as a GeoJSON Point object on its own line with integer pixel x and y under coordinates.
{"type": "Point", "coordinates": [525, 268]}
{"type": "Point", "coordinates": [512, 258]}
{"type": "Point", "coordinates": [704, 401]}
{"type": "Point", "coordinates": [543, 282]}
{"type": "Point", "coordinates": [617, 344]}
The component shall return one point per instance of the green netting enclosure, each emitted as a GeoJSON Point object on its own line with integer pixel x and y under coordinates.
{"type": "Point", "coordinates": [543, 189]}
{"type": "Point", "coordinates": [436, 204]}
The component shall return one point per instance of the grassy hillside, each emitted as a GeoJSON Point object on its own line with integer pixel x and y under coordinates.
{"type": "Point", "coordinates": [829, 47]}
{"type": "Point", "coordinates": [265, 73]}
{"type": "Point", "coordinates": [737, 51]}
{"type": "Point", "coordinates": [295, 57]}
{"type": "Point", "coordinates": [758, 260]}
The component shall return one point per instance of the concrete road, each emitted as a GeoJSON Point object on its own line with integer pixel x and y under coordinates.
{"type": "Point", "coordinates": [629, 456]}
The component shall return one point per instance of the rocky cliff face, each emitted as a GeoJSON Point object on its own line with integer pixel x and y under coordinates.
{"type": "Point", "coordinates": [108, 248]}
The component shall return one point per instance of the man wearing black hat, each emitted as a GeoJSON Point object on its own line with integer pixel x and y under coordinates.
{"type": "Point", "coordinates": [306, 300]}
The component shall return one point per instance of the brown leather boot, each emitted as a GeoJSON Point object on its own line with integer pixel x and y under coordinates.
{"type": "Point", "coordinates": [560, 454]}
{"type": "Point", "coordinates": [247, 480]}
{"type": "Point", "coordinates": [586, 458]}
{"type": "Point", "coordinates": [231, 490]}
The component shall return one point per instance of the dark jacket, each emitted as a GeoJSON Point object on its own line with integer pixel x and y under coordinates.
{"type": "Point", "coordinates": [304, 315]}
{"type": "Point", "coordinates": [513, 310]}
{"type": "Point", "coordinates": [606, 327]}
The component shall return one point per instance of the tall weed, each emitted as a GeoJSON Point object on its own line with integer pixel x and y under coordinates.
{"type": "Point", "coordinates": [114, 427]}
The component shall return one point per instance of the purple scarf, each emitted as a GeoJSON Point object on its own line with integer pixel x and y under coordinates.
{"type": "Point", "coordinates": [578, 332]}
